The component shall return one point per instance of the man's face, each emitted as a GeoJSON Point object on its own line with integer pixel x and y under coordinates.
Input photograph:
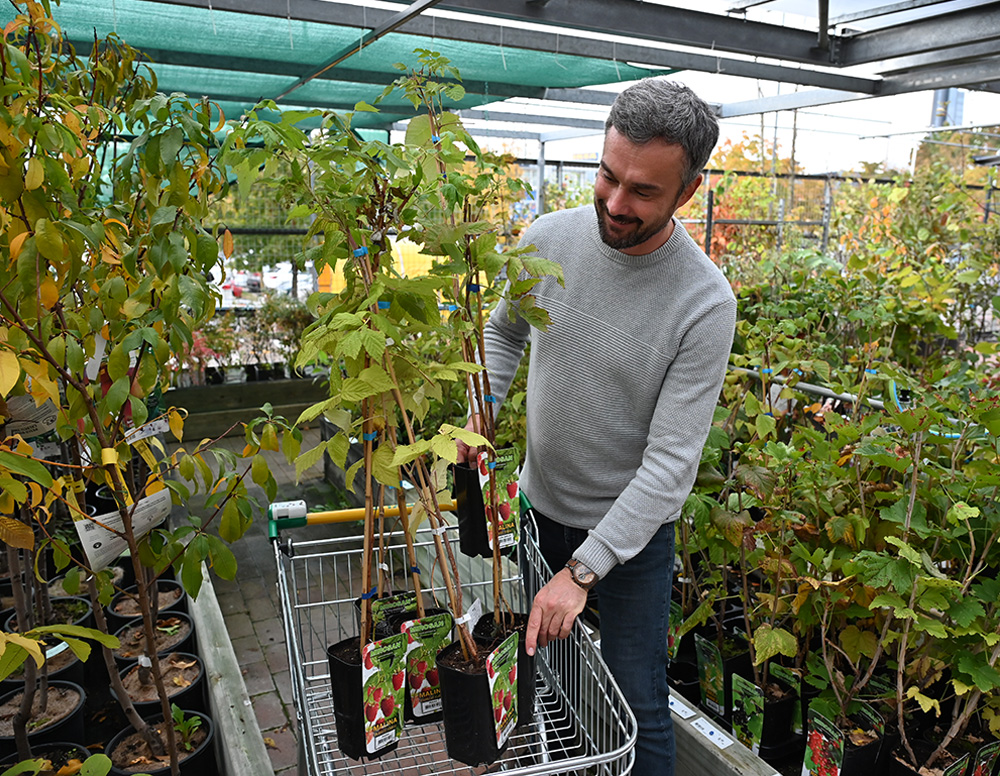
{"type": "Point", "coordinates": [638, 189]}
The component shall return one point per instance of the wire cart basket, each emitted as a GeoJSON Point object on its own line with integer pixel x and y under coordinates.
{"type": "Point", "coordinates": [581, 723]}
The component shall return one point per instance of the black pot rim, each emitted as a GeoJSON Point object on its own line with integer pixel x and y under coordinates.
{"type": "Point", "coordinates": [126, 731]}
{"type": "Point", "coordinates": [63, 683]}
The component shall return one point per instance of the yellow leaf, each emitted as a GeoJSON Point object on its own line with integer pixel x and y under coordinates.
{"type": "Point", "coordinates": [270, 743]}
{"type": "Point", "coordinates": [16, 534]}
{"type": "Point", "coordinates": [176, 423]}
{"type": "Point", "coordinates": [49, 293]}
{"type": "Point", "coordinates": [227, 243]}
{"type": "Point", "coordinates": [36, 493]}
{"type": "Point", "coordinates": [16, 244]}
{"type": "Point", "coordinates": [222, 118]}
{"type": "Point", "coordinates": [10, 371]}
{"type": "Point", "coordinates": [34, 174]}
{"type": "Point", "coordinates": [32, 646]}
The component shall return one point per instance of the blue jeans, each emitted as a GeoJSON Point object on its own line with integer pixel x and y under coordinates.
{"type": "Point", "coordinates": [634, 605]}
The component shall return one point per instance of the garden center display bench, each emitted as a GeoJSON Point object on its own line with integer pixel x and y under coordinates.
{"type": "Point", "coordinates": [580, 723]}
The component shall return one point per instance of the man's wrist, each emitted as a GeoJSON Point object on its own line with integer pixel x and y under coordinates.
{"type": "Point", "coordinates": [581, 574]}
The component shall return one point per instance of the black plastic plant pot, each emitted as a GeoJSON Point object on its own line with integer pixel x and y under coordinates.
{"type": "Point", "coordinates": [683, 677]}
{"type": "Point", "coordinates": [473, 539]}
{"type": "Point", "coordinates": [467, 713]}
{"type": "Point", "coordinates": [133, 642]}
{"type": "Point", "coordinates": [70, 668]}
{"type": "Point", "coordinates": [190, 696]}
{"type": "Point", "coordinates": [348, 700]}
{"type": "Point", "coordinates": [70, 728]}
{"type": "Point", "coordinates": [124, 606]}
{"type": "Point", "coordinates": [58, 753]}
{"type": "Point", "coordinates": [489, 636]}
{"type": "Point", "coordinates": [860, 760]}
{"type": "Point", "coordinates": [198, 762]}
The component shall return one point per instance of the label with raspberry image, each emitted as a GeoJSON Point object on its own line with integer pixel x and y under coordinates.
{"type": "Point", "coordinates": [504, 469]}
{"type": "Point", "coordinates": [501, 669]}
{"type": "Point", "coordinates": [824, 747]}
{"type": "Point", "coordinates": [424, 639]}
{"type": "Point", "coordinates": [986, 758]}
{"type": "Point", "coordinates": [710, 674]}
{"type": "Point", "coordinates": [401, 602]}
{"type": "Point", "coordinates": [383, 671]}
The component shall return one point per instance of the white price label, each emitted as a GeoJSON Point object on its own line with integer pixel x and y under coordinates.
{"type": "Point", "coordinates": [712, 733]}
{"type": "Point", "coordinates": [680, 708]}
{"type": "Point", "coordinates": [97, 534]}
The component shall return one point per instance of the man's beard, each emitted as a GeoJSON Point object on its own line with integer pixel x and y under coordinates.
{"type": "Point", "coordinates": [628, 240]}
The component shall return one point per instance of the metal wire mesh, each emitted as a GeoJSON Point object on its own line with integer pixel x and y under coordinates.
{"type": "Point", "coordinates": [581, 724]}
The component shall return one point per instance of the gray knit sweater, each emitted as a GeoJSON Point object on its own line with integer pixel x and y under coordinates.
{"type": "Point", "coordinates": [621, 386]}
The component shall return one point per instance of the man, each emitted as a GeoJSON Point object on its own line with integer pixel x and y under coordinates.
{"type": "Point", "coordinates": [621, 391]}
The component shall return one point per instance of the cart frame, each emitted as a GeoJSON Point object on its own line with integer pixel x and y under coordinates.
{"type": "Point", "coordinates": [581, 721]}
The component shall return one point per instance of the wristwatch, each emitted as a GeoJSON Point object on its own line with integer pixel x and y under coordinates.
{"type": "Point", "coordinates": [582, 575]}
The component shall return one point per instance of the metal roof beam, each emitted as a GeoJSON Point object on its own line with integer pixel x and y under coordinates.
{"type": "Point", "coordinates": [793, 101]}
{"type": "Point", "coordinates": [520, 118]}
{"type": "Point", "coordinates": [944, 31]}
{"type": "Point", "coordinates": [663, 23]}
{"type": "Point", "coordinates": [971, 75]}
{"type": "Point", "coordinates": [535, 40]}
{"type": "Point", "coordinates": [883, 10]}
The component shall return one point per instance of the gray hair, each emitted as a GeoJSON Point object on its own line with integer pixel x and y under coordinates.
{"type": "Point", "coordinates": [658, 108]}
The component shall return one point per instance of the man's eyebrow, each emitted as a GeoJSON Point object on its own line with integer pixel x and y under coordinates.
{"type": "Point", "coordinates": [639, 186]}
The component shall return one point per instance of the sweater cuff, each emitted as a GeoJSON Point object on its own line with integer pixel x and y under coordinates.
{"type": "Point", "coordinates": [596, 556]}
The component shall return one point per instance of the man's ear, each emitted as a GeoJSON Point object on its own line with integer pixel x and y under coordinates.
{"type": "Point", "coordinates": [689, 191]}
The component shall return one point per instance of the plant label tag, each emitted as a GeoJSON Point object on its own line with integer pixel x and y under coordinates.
{"type": "Point", "coordinates": [383, 671]}
{"type": "Point", "coordinates": [508, 504]}
{"type": "Point", "coordinates": [712, 733]}
{"type": "Point", "coordinates": [424, 639]}
{"type": "Point", "coordinates": [959, 767]}
{"type": "Point", "coordinates": [710, 675]}
{"type": "Point", "coordinates": [824, 747]}
{"type": "Point", "coordinates": [748, 712]}
{"type": "Point", "coordinates": [501, 669]}
{"type": "Point", "coordinates": [673, 630]}
{"type": "Point", "coordinates": [393, 604]}
{"type": "Point", "coordinates": [97, 536]}
{"type": "Point", "coordinates": [986, 758]}
{"type": "Point", "coordinates": [791, 677]}
{"type": "Point", "coordinates": [680, 708]}
{"type": "Point", "coordinates": [29, 420]}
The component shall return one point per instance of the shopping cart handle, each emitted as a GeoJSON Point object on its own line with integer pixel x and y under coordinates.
{"type": "Point", "coordinates": [294, 514]}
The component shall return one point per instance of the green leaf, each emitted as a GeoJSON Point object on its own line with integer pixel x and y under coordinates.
{"type": "Point", "coordinates": [221, 558]}
{"type": "Point", "coordinates": [96, 765]}
{"type": "Point", "coordinates": [856, 642]}
{"type": "Point", "coordinates": [984, 677]}
{"type": "Point", "coordinates": [191, 575]}
{"type": "Point", "coordinates": [383, 469]}
{"type": "Point", "coordinates": [80, 632]}
{"type": "Point", "coordinates": [765, 425]}
{"type": "Point", "coordinates": [259, 470]}
{"type": "Point", "coordinates": [28, 467]}
{"type": "Point", "coordinates": [407, 453]}
{"type": "Point", "coordinates": [308, 459]}
{"type": "Point", "coordinates": [769, 641]}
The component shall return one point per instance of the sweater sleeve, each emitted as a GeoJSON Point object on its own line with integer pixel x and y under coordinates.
{"type": "Point", "coordinates": [504, 340]}
{"type": "Point", "coordinates": [677, 433]}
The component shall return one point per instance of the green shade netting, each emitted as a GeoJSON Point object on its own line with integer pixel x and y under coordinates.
{"type": "Point", "coordinates": [237, 59]}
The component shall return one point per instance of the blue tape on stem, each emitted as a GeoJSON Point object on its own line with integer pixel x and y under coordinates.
{"type": "Point", "coordinates": [452, 308]}
{"type": "Point", "coordinates": [384, 305]}
{"type": "Point", "coordinates": [769, 414]}
{"type": "Point", "coordinates": [492, 465]}
{"type": "Point", "coordinates": [871, 372]}
{"type": "Point", "coordinates": [435, 138]}
{"type": "Point", "coordinates": [473, 288]}
{"type": "Point", "coordinates": [414, 569]}
{"type": "Point", "coordinates": [362, 251]}
{"type": "Point", "coordinates": [369, 437]}
{"type": "Point", "coordinates": [371, 593]}
{"type": "Point", "coordinates": [798, 371]}
{"type": "Point", "coordinates": [490, 398]}
{"type": "Point", "coordinates": [766, 371]}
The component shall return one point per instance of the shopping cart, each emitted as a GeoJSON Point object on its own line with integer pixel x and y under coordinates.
{"type": "Point", "coordinates": [581, 723]}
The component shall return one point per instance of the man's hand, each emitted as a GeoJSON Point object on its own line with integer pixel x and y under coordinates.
{"type": "Point", "coordinates": [553, 611]}
{"type": "Point", "coordinates": [468, 454]}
